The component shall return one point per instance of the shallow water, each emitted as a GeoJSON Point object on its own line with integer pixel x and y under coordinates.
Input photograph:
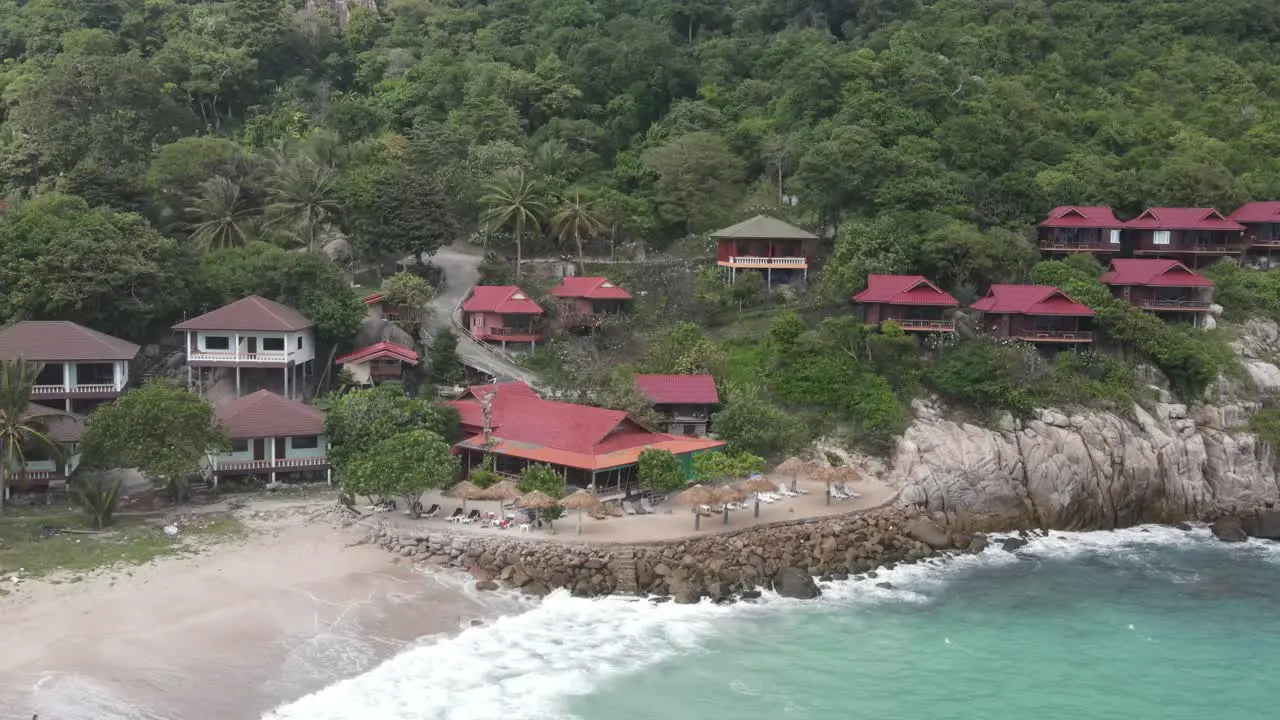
{"type": "Point", "coordinates": [1142, 623]}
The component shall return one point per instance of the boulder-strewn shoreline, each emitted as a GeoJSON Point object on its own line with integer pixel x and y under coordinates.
{"type": "Point", "coordinates": [735, 565]}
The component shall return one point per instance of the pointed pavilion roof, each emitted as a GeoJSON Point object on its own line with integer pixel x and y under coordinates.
{"type": "Point", "coordinates": [763, 227]}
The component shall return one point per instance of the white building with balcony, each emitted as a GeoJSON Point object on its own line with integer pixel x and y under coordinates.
{"type": "Point", "coordinates": [79, 367]}
{"type": "Point", "coordinates": [254, 337]}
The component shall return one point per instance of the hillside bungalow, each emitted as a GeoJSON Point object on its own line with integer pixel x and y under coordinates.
{"type": "Point", "coordinates": [591, 447]}
{"type": "Point", "coordinates": [44, 468]}
{"type": "Point", "coordinates": [782, 251]}
{"type": "Point", "coordinates": [270, 436]}
{"type": "Point", "coordinates": [1166, 287]}
{"type": "Point", "coordinates": [582, 301]}
{"type": "Point", "coordinates": [1189, 233]}
{"type": "Point", "coordinates": [378, 363]}
{"type": "Point", "coordinates": [1262, 227]}
{"type": "Point", "coordinates": [253, 335]}
{"type": "Point", "coordinates": [82, 368]}
{"type": "Point", "coordinates": [1081, 228]}
{"type": "Point", "coordinates": [1040, 314]}
{"type": "Point", "coordinates": [685, 402]}
{"type": "Point", "coordinates": [378, 307]}
{"type": "Point", "coordinates": [911, 301]}
{"type": "Point", "coordinates": [503, 313]}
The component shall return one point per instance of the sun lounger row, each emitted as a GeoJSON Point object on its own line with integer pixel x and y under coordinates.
{"type": "Point", "coordinates": [842, 492]}
{"type": "Point", "coordinates": [638, 507]}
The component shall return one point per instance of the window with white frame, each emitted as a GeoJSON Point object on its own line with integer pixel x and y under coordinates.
{"type": "Point", "coordinates": [1160, 237]}
{"type": "Point", "coordinates": [1115, 237]}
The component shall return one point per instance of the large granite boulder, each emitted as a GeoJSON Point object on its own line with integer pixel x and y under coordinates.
{"type": "Point", "coordinates": [792, 582]}
{"type": "Point", "coordinates": [926, 531]}
{"type": "Point", "coordinates": [1229, 529]}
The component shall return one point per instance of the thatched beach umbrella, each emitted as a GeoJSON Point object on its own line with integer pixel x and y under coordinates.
{"type": "Point", "coordinates": [727, 494]}
{"type": "Point", "coordinates": [755, 486]}
{"type": "Point", "coordinates": [465, 490]}
{"type": "Point", "coordinates": [696, 496]}
{"type": "Point", "coordinates": [537, 500]}
{"type": "Point", "coordinates": [581, 500]}
{"type": "Point", "coordinates": [794, 467]}
{"type": "Point", "coordinates": [503, 492]}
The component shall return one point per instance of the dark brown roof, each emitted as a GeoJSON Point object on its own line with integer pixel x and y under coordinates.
{"type": "Point", "coordinates": [60, 340]}
{"type": "Point", "coordinates": [266, 414]}
{"type": "Point", "coordinates": [251, 313]}
{"type": "Point", "coordinates": [62, 427]}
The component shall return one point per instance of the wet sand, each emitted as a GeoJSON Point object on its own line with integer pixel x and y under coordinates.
{"type": "Point", "coordinates": [227, 634]}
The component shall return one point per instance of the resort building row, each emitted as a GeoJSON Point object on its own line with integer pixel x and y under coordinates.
{"type": "Point", "coordinates": [1193, 235]}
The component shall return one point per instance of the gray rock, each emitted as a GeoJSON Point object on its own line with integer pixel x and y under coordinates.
{"type": "Point", "coordinates": [927, 532]}
{"type": "Point", "coordinates": [1012, 544]}
{"type": "Point", "coordinates": [1265, 525]}
{"type": "Point", "coordinates": [686, 597]}
{"type": "Point", "coordinates": [1229, 529]}
{"type": "Point", "coordinates": [486, 585]}
{"type": "Point", "coordinates": [792, 582]}
{"type": "Point", "coordinates": [978, 543]}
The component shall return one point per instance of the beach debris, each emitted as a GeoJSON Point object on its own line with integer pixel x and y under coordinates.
{"type": "Point", "coordinates": [171, 530]}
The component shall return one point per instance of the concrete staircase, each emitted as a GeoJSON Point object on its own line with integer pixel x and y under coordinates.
{"type": "Point", "coordinates": [624, 569]}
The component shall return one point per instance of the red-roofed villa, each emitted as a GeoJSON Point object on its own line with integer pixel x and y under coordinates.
{"type": "Point", "coordinates": [581, 301]}
{"type": "Point", "coordinates": [378, 363]}
{"type": "Point", "coordinates": [765, 243]}
{"type": "Point", "coordinates": [1262, 225]}
{"type": "Point", "coordinates": [271, 435]}
{"type": "Point", "coordinates": [1080, 228]}
{"type": "Point", "coordinates": [1190, 232]}
{"type": "Point", "coordinates": [911, 301]}
{"type": "Point", "coordinates": [252, 333]}
{"type": "Point", "coordinates": [502, 314]}
{"type": "Point", "coordinates": [591, 447]}
{"type": "Point", "coordinates": [1036, 314]}
{"type": "Point", "coordinates": [685, 402]}
{"type": "Point", "coordinates": [1164, 286]}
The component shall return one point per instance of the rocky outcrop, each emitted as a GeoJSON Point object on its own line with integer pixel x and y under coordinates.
{"type": "Point", "coordinates": [783, 556]}
{"type": "Point", "coordinates": [1228, 529]}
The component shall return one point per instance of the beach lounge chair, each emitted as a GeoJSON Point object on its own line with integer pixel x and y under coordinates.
{"type": "Point", "coordinates": [647, 505]}
{"type": "Point", "coordinates": [786, 491]}
{"type": "Point", "coordinates": [838, 494]}
{"type": "Point", "coordinates": [471, 517]}
{"type": "Point", "coordinates": [506, 523]}
{"type": "Point", "coordinates": [627, 509]}
{"type": "Point", "coordinates": [456, 516]}
{"type": "Point", "coordinates": [431, 511]}
{"type": "Point", "coordinates": [640, 508]}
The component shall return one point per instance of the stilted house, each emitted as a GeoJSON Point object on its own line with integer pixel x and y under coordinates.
{"type": "Point", "coordinates": [46, 467]}
{"type": "Point", "coordinates": [782, 251]}
{"type": "Point", "coordinates": [1166, 287]}
{"type": "Point", "coordinates": [581, 302]}
{"type": "Point", "coordinates": [685, 402]}
{"type": "Point", "coordinates": [80, 368]}
{"type": "Point", "coordinates": [379, 307]}
{"type": "Point", "coordinates": [591, 447]}
{"type": "Point", "coordinates": [1193, 235]}
{"type": "Point", "coordinates": [503, 314]}
{"type": "Point", "coordinates": [271, 436]}
{"type": "Point", "coordinates": [378, 363]}
{"type": "Point", "coordinates": [259, 339]}
{"type": "Point", "coordinates": [911, 301]}
{"type": "Point", "coordinates": [1040, 314]}
{"type": "Point", "coordinates": [1261, 221]}
{"type": "Point", "coordinates": [1081, 228]}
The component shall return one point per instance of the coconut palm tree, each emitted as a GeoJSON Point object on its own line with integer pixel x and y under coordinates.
{"type": "Point", "coordinates": [576, 219]}
{"type": "Point", "coordinates": [303, 200]}
{"type": "Point", "coordinates": [514, 201]}
{"type": "Point", "coordinates": [20, 428]}
{"type": "Point", "coordinates": [220, 214]}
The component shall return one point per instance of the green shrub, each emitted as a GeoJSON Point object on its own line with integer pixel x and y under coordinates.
{"type": "Point", "coordinates": [983, 374]}
{"type": "Point", "coordinates": [1266, 424]}
{"type": "Point", "coordinates": [98, 498]}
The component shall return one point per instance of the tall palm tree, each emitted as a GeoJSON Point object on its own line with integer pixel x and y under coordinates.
{"type": "Point", "coordinates": [220, 214]}
{"type": "Point", "coordinates": [514, 200]}
{"type": "Point", "coordinates": [20, 428]}
{"type": "Point", "coordinates": [303, 200]}
{"type": "Point", "coordinates": [576, 219]}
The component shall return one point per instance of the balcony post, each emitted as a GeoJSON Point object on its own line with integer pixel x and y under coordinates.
{"type": "Point", "coordinates": [272, 459]}
{"type": "Point", "coordinates": [236, 346]}
{"type": "Point", "coordinates": [67, 368]}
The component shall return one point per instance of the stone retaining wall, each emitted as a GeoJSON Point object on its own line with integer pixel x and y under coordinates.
{"type": "Point", "coordinates": [722, 566]}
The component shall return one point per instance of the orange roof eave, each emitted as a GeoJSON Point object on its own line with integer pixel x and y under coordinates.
{"type": "Point", "coordinates": [585, 461]}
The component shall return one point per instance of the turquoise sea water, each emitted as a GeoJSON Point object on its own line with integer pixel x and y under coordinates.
{"type": "Point", "coordinates": [1143, 623]}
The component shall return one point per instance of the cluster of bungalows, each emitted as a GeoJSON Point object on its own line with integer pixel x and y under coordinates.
{"type": "Point", "coordinates": [593, 448]}
{"type": "Point", "coordinates": [503, 314]}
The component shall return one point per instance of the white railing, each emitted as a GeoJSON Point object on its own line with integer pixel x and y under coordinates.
{"type": "Point", "coordinates": [272, 356]}
{"type": "Point", "coordinates": [63, 390]}
{"type": "Point", "coordinates": [938, 325]}
{"type": "Point", "coordinates": [1157, 304]}
{"type": "Point", "coordinates": [769, 262]}
{"type": "Point", "coordinates": [274, 464]}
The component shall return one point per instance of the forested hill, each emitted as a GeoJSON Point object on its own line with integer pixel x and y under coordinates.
{"type": "Point", "coordinates": [956, 123]}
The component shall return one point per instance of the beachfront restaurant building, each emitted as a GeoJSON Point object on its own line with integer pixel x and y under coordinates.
{"type": "Point", "coordinates": [593, 448]}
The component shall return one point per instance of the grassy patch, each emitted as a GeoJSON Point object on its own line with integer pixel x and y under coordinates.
{"type": "Point", "coordinates": [35, 542]}
{"type": "Point", "coordinates": [220, 526]}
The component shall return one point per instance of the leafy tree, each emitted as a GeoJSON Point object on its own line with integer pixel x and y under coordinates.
{"type": "Point", "coordinates": [20, 428]}
{"type": "Point", "coordinates": [750, 424]}
{"type": "Point", "coordinates": [659, 471]}
{"type": "Point", "coordinates": [712, 466]}
{"type": "Point", "coordinates": [446, 368]}
{"type": "Point", "coordinates": [178, 169]}
{"type": "Point", "coordinates": [682, 350]}
{"type": "Point", "coordinates": [394, 211]}
{"type": "Point", "coordinates": [543, 478]}
{"type": "Point", "coordinates": [362, 418]}
{"type": "Point", "coordinates": [220, 216]}
{"type": "Point", "coordinates": [698, 181]}
{"type": "Point", "coordinates": [160, 429]}
{"type": "Point", "coordinates": [515, 201]}
{"type": "Point", "coordinates": [403, 465]}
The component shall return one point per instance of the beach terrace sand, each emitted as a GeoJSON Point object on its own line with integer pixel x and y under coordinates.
{"type": "Point", "coordinates": [228, 633]}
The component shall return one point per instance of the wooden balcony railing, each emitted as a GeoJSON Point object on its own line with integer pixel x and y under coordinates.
{"type": "Point", "coordinates": [927, 325]}
{"type": "Point", "coordinates": [1176, 305]}
{"type": "Point", "coordinates": [1257, 242]}
{"type": "Point", "coordinates": [1054, 336]}
{"type": "Point", "coordinates": [780, 262]}
{"type": "Point", "coordinates": [1049, 246]}
{"type": "Point", "coordinates": [231, 356]}
{"type": "Point", "coordinates": [273, 464]}
{"type": "Point", "coordinates": [508, 331]}
{"type": "Point", "coordinates": [75, 389]}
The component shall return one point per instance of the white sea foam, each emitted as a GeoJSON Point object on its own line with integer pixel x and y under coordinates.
{"type": "Point", "coordinates": [526, 666]}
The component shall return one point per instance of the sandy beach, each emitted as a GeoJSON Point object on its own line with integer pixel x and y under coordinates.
{"type": "Point", "coordinates": [225, 634]}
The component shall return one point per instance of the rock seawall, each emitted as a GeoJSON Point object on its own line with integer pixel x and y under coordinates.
{"type": "Point", "coordinates": [721, 567]}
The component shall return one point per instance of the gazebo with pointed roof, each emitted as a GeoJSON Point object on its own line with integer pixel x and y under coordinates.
{"type": "Point", "coordinates": [765, 243]}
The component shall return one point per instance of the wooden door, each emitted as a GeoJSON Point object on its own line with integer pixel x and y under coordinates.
{"type": "Point", "coordinates": [259, 449]}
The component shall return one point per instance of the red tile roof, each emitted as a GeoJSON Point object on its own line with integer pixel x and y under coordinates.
{"type": "Point", "coordinates": [266, 414]}
{"type": "Point", "coordinates": [1257, 212]}
{"type": "Point", "coordinates": [253, 313]}
{"type": "Point", "coordinates": [903, 290]}
{"type": "Point", "coordinates": [1030, 300]}
{"type": "Point", "coordinates": [592, 288]}
{"type": "Point", "coordinates": [372, 298]}
{"type": "Point", "coordinates": [607, 460]}
{"type": "Point", "coordinates": [1082, 216]}
{"type": "Point", "coordinates": [506, 299]}
{"type": "Point", "coordinates": [1182, 219]}
{"type": "Point", "coordinates": [61, 341]}
{"type": "Point", "coordinates": [1153, 272]}
{"type": "Point", "coordinates": [679, 389]}
{"type": "Point", "coordinates": [380, 350]}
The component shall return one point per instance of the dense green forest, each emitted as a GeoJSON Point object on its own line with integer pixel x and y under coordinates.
{"type": "Point", "coordinates": [162, 156]}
